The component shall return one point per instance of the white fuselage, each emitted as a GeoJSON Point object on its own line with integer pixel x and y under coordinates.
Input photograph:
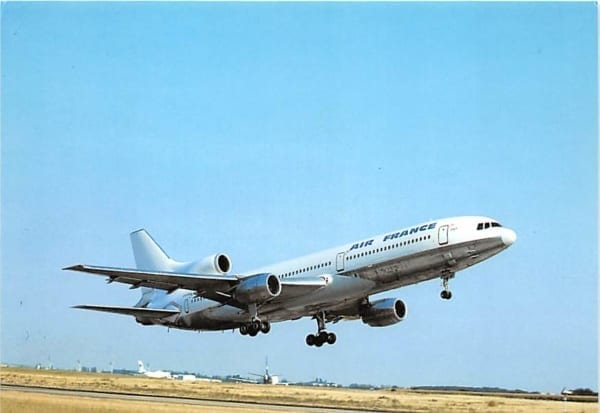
{"type": "Point", "coordinates": [352, 272]}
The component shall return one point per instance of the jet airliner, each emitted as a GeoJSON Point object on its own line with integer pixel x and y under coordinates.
{"type": "Point", "coordinates": [329, 286]}
{"type": "Point", "coordinates": [157, 374]}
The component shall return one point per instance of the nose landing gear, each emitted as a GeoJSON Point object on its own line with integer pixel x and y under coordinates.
{"type": "Point", "coordinates": [446, 294]}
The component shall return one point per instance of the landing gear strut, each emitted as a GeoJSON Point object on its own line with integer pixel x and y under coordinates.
{"type": "Point", "coordinates": [322, 336]}
{"type": "Point", "coordinates": [446, 294]}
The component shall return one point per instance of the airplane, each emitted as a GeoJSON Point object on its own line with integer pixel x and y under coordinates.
{"type": "Point", "coordinates": [329, 286]}
{"type": "Point", "coordinates": [266, 377]}
{"type": "Point", "coordinates": [157, 374]}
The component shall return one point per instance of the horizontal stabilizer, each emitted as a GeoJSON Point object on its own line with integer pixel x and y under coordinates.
{"type": "Point", "coordinates": [133, 311]}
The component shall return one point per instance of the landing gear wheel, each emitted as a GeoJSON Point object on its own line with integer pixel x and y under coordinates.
{"type": "Point", "coordinates": [310, 339]}
{"type": "Point", "coordinates": [244, 329]}
{"type": "Point", "coordinates": [331, 338]}
{"type": "Point", "coordinates": [446, 294]}
{"type": "Point", "coordinates": [265, 327]}
{"type": "Point", "coordinates": [252, 331]}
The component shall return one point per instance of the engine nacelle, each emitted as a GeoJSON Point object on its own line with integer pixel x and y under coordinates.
{"type": "Point", "coordinates": [257, 288]}
{"type": "Point", "coordinates": [384, 312]}
{"type": "Point", "coordinates": [216, 264]}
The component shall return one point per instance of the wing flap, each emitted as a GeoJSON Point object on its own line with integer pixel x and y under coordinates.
{"type": "Point", "coordinates": [133, 311]}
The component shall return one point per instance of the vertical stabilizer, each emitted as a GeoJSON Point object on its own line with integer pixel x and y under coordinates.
{"type": "Point", "coordinates": [141, 368]}
{"type": "Point", "coordinates": [148, 254]}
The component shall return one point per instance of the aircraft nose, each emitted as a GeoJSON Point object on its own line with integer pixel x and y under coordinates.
{"type": "Point", "coordinates": [509, 237]}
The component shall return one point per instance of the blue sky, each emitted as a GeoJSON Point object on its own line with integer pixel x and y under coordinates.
{"type": "Point", "coordinates": [270, 130]}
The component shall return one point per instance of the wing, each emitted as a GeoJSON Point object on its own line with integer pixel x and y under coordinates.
{"type": "Point", "coordinates": [216, 287]}
{"type": "Point", "coordinates": [134, 311]}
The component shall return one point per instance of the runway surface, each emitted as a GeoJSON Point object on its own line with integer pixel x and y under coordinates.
{"type": "Point", "coordinates": [175, 400]}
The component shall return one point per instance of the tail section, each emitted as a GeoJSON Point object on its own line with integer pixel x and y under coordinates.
{"type": "Point", "coordinates": [148, 254]}
{"type": "Point", "coordinates": [151, 257]}
{"type": "Point", "coordinates": [266, 365]}
{"type": "Point", "coordinates": [141, 368]}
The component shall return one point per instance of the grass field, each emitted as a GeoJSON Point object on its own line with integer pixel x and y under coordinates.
{"type": "Point", "coordinates": [382, 400]}
{"type": "Point", "coordinates": [21, 402]}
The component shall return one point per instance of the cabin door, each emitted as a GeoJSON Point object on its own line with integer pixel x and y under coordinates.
{"type": "Point", "coordinates": [339, 262]}
{"type": "Point", "coordinates": [443, 235]}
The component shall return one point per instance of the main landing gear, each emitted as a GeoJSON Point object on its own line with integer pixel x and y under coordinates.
{"type": "Point", "coordinates": [255, 327]}
{"type": "Point", "coordinates": [446, 294]}
{"type": "Point", "coordinates": [322, 336]}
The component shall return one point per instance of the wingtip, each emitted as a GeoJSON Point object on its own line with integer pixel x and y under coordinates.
{"type": "Point", "coordinates": [75, 267]}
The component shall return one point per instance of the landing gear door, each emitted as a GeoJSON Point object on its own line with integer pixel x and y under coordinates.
{"type": "Point", "coordinates": [443, 235]}
{"type": "Point", "coordinates": [339, 262]}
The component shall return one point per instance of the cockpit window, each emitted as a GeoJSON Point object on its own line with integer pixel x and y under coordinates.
{"type": "Point", "coordinates": [486, 225]}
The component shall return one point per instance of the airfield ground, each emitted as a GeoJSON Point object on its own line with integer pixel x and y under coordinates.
{"type": "Point", "coordinates": [266, 398]}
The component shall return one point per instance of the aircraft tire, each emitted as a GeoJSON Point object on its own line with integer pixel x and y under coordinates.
{"type": "Point", "coordinates": [310, 339]}
{"type": "Point", "coordinates": [265, 327]}
{"type": "Point", "coordinates": [331, 338]}
{"type": "Point", "coordinates": [243, 329]}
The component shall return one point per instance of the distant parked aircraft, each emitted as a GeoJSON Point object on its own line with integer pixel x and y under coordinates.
{"type": "Point", "coordinates": [158, 374]}
{"type": "Point", "coordinates": [267, 378]}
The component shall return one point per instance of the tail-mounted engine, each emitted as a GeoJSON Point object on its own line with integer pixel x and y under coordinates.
{"type": "Point", "coordinates": [216, 264]}
{"type": "Point", "coordinates": [257, 288]}
{"type": "Point", "coordinates": [384, 312]}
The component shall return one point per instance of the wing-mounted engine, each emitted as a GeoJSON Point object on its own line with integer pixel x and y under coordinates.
{"type": "Point", "coordinates": [216, 264]}
{"type": "Point", "coordinates": [383, 312]}
{"type": "Point", "coordinates": [257, 288]}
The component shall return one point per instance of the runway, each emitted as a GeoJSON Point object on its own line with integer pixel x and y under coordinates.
{"type": "Point", "coordinates": [210, 405]}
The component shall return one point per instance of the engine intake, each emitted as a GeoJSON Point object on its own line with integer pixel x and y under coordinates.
{"type": "Point", "coordinates": [257, 288]}
{"type": "Point", "coordinates": [384, 312]}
